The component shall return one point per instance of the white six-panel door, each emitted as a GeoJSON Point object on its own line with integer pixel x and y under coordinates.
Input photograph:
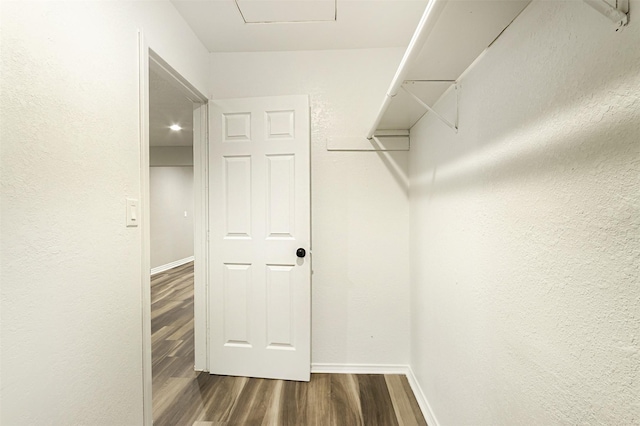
{"type": "Point", "coordinates": [259, 214]}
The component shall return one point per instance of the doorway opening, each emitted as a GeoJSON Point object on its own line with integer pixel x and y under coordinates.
{"type": "Point", "coordinates": [174, 211]}
{"type": "Point", "coordinates": [171, 207]}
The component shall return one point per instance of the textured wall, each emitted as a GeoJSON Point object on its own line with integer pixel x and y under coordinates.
{"type": "Point", "coordinates": [526, 229]}
{"type": "Point", "coordinates": [359, 199]}
{"type": "Point", "coordinates": [171, 194]}
{"type": "Point", "coordinates": [70, 154]}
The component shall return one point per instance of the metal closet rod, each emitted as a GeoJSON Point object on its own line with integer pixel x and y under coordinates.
{"type": "Point", "coordinates": [425, 26]}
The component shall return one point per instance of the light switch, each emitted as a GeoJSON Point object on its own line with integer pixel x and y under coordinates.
{"type": "Point", "coordinates": [132, 212]}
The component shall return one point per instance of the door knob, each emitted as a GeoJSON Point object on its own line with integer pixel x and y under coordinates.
{"type": "Point", "coordinates": [301, 252]}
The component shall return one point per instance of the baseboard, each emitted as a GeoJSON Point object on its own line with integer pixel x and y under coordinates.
{"type": "Point", "coordinates": [427, 411]}
{"type": "Point", "coordinates": [359, 368]}
{"type": "Point", "coordinates": [171, 265]}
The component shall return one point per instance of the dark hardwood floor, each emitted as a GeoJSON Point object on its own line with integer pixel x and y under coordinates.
{"type": "Point", "coordinates": [184, 397]}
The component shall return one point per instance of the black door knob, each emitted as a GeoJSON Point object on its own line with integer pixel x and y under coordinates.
{"type": "Point", "coordinates": [301, 252]}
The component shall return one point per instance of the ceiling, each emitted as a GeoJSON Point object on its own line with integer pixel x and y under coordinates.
{"type": "Point", "coordinates": [168, 106]}
{"type": "Point", "coordinates": [462, 31]}
{"type": "Point", "coordinates": [356, 24]}
{"type": "Point", "coordinates": [230, 26]}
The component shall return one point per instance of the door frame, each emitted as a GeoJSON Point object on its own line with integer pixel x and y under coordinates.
{"type": "Point", "coordinates": [148, 58]}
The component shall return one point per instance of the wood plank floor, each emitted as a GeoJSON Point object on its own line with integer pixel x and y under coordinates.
{"type": "Point", "coordinates": [184, 397]}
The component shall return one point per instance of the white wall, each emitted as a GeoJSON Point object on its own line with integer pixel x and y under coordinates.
{"type": "Point", "coordinates": [525, 229]}
{"type": "Point", "coordinates": [359, 207]}
{"type": "Point", "coordinates": [170, 156]}
{"type": "Point", "coordinates": [171, 195]}
{"type": "Point", "coordinates": [71, 294]}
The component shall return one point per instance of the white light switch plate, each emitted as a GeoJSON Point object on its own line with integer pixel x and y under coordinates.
{"type": "Point", "coordinates": [133, 214]}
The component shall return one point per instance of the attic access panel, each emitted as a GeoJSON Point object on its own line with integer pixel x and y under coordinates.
{"type": "Point", "coordinates": [281, 11]}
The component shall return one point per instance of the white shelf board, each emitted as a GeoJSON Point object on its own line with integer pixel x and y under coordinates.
{"type": "Point", "coordinates": [464, 29]}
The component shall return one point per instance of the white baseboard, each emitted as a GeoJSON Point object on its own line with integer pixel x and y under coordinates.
{"type": "Point", "coordinates": [359, 368]}
{"type": "Point", "coordinates": [425, 407]}
{"type": "Point", "coordinates": [171, 265]}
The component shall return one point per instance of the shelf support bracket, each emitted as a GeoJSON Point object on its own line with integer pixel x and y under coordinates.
{"type": "Point", "coordinates": [619, 15]}
{"type": "Point", "coordinates": [453, 126]}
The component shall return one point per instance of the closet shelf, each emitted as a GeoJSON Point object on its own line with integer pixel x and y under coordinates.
{"type": "Point", "coordinates": [619, 14]}
{"type": "Point", "coordinates": [449, 37]}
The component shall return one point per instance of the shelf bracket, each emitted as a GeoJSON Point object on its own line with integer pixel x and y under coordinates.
{"type": "Point", "coordinates": [619, 15]}
{"type": "Point", "coordinates": [453, 126]}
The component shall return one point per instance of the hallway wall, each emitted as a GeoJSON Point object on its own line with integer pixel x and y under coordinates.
{"type": "Point", "coordinates": [171, 195]}
{"type": "Point", "coordinates": [525, 229]}
{"type": "Point", "coordinates": [71, 298]}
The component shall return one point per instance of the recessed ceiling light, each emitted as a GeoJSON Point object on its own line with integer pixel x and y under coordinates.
{"type": "Point", "coordinates": [175, 127]}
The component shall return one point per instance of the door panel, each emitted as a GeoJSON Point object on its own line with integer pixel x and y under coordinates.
{"type": "Point", "coordinates": [259, 215]}
{"type": "Point", "coordinates": [280, 295]}
{"type": "Point", "coordinates": [281, 204]}
{"type": "Point", "coordinates": [237, 287]}
{"type": "Point", "coordinates": [237, 196]}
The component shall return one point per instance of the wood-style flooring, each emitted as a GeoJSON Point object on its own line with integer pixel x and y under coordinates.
{"type": "Point", "coordinates": [184, 397]}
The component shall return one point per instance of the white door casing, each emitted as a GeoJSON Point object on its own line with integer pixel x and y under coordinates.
{"type": "Point", "coordinates": [259, 215]}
